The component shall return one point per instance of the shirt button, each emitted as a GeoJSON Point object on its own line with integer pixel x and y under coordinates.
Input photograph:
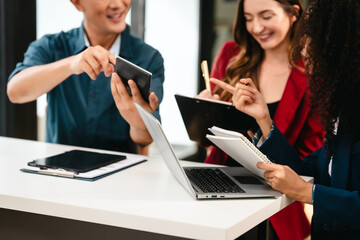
{"type": "Point", "coordinates": [326, 227]}
{"type": "Point", "coordinates": [93, 95]}
{"type": "Point", "coordinates": [91, 121]}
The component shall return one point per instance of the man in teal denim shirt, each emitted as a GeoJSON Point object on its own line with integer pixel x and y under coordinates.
{"type": "Point", "coordinates": [86, 107]}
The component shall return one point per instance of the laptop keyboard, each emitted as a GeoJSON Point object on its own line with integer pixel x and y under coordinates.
{"type": "Point", "coordinates": [212, 180]}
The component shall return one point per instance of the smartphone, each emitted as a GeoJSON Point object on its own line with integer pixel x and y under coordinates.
{"type": "Point", "coordinates": [127, 70]}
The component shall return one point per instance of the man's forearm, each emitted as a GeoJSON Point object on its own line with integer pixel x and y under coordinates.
{"type": "Point", "coordinates": [143, 150]}
{"type": "Point", "coordinates": [142, 139]}
{"type": "Point", "coordinates": [35, 81]}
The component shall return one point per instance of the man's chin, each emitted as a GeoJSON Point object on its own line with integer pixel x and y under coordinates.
{"type": "Point", "coordinates": [119, 28]}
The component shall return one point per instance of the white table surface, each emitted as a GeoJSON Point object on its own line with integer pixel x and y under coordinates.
{"type": "Point", "coordinates": [145, 197]}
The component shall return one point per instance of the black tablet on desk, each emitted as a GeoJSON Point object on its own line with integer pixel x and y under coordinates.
{"type": "Point", "coordinates": [200, 114]}
{"type": "Point", "coordinates": [76, 161]}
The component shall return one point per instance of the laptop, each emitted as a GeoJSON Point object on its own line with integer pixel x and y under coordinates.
{"type": "Point", "coordinates": [207, 182]}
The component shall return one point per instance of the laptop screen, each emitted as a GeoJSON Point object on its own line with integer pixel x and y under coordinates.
{"type": "Point", "coordinates": [158, 135]}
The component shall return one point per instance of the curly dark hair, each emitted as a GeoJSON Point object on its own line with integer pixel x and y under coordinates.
{"type": "Point", "coordinates": [330, 31]}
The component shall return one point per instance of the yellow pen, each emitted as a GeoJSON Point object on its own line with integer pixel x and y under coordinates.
{"type": "Point", "coordinates": [205, 71]}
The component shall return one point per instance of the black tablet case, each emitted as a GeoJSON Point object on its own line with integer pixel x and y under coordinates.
{"type": "Point", "coordinates": [200, 114]}
{"type": "Point", "coordinates": [77, 161]}
{"type": "Point", "coordinates": [127, 70]}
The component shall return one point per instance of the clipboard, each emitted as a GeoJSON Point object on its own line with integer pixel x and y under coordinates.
{"type": "Point", "coordinates": [200, 114]}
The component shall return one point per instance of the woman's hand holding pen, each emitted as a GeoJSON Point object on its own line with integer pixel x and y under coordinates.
{"type": "Point", "coordinates": [246, 98]}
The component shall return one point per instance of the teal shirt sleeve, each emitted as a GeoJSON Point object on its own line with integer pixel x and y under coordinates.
{"type": "Point", "coordinates": [38, 53]}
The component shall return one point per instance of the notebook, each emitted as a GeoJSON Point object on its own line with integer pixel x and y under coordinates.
{"type": "Point", "coordinates": [199, 114]}
{"type": "Point", "coordinates": [232, 182]}
{"type": "Point", "coordinates": [239, 148]}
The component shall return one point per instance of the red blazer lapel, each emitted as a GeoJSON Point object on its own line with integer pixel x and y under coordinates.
{"type": "Point", "coordinates": [292, 98]}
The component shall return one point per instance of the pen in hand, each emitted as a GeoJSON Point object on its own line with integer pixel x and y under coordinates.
{"type": "Point", "coordinates": [205, 71]}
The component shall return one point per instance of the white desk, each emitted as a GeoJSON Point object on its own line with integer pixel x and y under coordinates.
{"type": "Point", "coordinates": [145, 197]}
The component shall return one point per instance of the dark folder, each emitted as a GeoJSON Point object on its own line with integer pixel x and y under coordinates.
{"type": "Point", "coordinates": [200, 114]}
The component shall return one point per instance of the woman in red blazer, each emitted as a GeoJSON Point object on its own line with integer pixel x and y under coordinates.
{"type": "Point", "coordinates": [263, 32]}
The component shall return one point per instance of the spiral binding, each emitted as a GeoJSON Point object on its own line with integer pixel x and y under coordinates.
{"type": "Point", "coordinates": [255, 149]}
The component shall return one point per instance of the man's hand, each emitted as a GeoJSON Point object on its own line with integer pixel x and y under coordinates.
{"type": "Point", "coordinates": [125, 104]}
{"type": "Point", "coordinates": [93, 61]}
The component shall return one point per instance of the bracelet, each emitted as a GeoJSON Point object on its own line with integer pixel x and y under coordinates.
{"type": "Point", "coordinates": [313, 191]}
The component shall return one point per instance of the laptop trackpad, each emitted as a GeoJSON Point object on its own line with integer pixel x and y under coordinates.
{"type": "Point", "coordinates": [243, 176]}
{"type": "Point", "coordinates": [248, 180]}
